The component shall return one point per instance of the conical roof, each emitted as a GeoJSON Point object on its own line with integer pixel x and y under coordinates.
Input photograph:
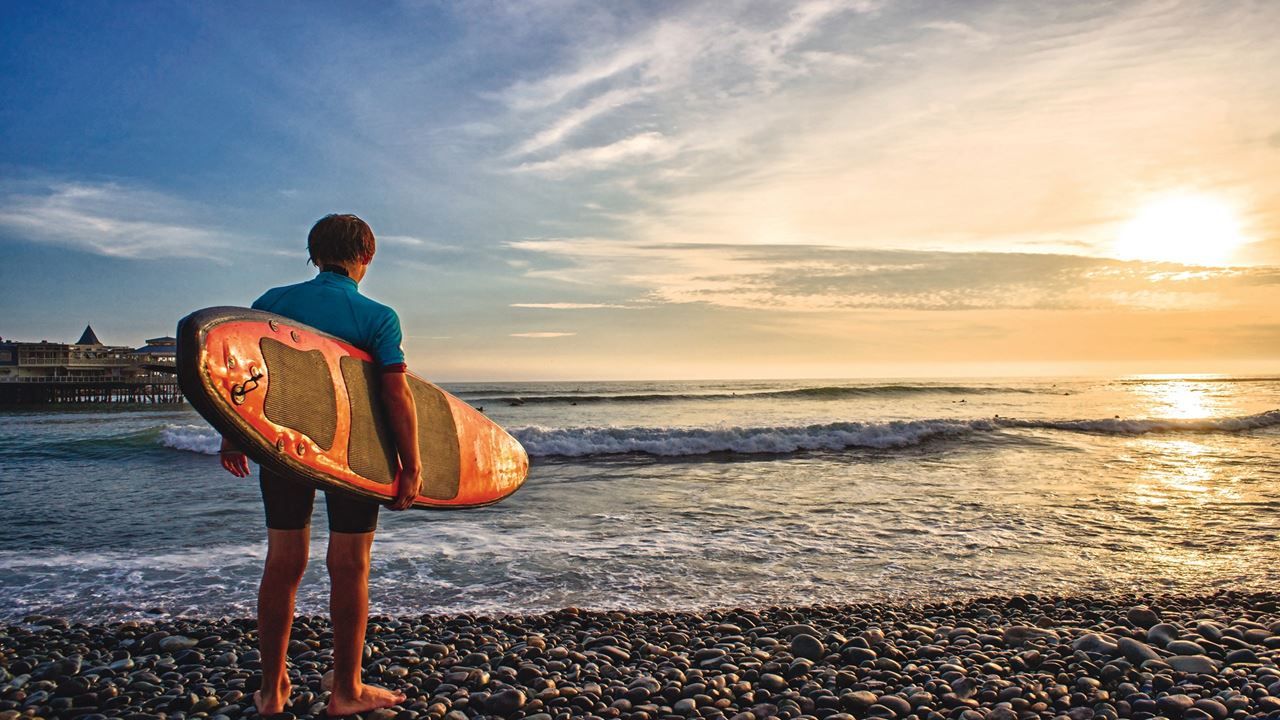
{"type": "Point", "coordinates": [88, 337]}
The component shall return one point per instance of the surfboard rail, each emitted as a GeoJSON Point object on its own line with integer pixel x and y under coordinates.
{"type": "Point", "coordinates": [321, 421]}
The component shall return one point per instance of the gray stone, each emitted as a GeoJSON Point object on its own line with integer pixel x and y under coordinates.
{"type": "Point", "coordinates": [1096, 644]}
{"type": "Point", "coordinates": [1209, 631]}
{"type": "Point", "coordinates": [807, 646]}
{"type": "Point", "coordinates": [1215, 709]}
{"type": "Point", "coordinates": [1136, 651]}
{"type": "Point", "coordinates": [772, 682]}
{"type": "Point", "coordinates": [1016, 635]}
{"type": "Point", "coordinates": [504, 702]}
{"type": "Point", "coordinates": [1242, 656]}
{"type": "Point", "coordinates": [858, 700]}
{"type": "Point", "coordinates": [176, 643]}
{"type": "Point", "coordinates": [1192, 663]}
{"type": "Point", "coordinates": [1184, 647]}
{"type": "Point", "coordinates": [899, 706]}
{"type": "Point", "coordinates": [1162, 634]}
{"type": "Point", "coordinates": [1142, 616]}
{"type": "Point", "coordinates": [1174, 704]}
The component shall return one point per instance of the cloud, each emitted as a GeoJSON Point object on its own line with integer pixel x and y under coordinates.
{"type": "Point", "coordinates": [644, 146]}
{"type": "Point", "coordinates": [576, 118]}
{"type": "Point", "coordinates": [964, 31]}
{"type": "Point", "coordinates": [417, 242]}
{"type": "Point", "coordinates": [112, 219]}
{"type": "Point", "coordinates": [794, 278]}
{"type": "Point", "coordinates": [542, 334]}
{"type": "Point", "coordinates": [576, 306]}
{"type": "Point", "coordinates": [677, 72]}
{"type": "Point", "coordinates": [941, 127]}
{"type": "Point", "coordinates": [530, 95]}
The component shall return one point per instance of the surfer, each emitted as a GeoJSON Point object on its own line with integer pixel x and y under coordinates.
{"type": "Point", "coordinates": [342, 246]}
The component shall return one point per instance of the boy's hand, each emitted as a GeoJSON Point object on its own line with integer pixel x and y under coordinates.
{"type": "Point", "coordinates": [408, 483]}
{"type": "Point", "coordinates": [233, 460]}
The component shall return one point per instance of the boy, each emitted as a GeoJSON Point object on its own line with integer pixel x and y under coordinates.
{"type": "Point", "coordinates": [342, 246]}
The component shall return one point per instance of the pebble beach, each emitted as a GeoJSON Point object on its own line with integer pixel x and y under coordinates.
{"type": "Point", "coordinates": [1018, 657]}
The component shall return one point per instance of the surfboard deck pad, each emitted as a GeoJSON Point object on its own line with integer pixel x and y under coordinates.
{"type": "Point", "coordinates": [308, 405]}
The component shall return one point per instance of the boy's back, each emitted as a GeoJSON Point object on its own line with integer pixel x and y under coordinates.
{"type": "Point", "coordinates": [331, 302]}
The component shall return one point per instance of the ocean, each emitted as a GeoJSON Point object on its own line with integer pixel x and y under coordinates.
{"type": "Point", "coordinates": [691, 495]}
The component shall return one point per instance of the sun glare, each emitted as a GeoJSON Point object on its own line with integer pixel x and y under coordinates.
{"type": "Point", "coordinates": [1187, 228]}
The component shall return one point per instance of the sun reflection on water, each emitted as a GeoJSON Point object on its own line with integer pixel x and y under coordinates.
{"type": "Point", "coordinates": [1184, 488]}
{"type": "Point", "coordinates": [1183, 400]}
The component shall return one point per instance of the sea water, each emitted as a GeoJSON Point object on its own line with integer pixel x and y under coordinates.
{"type": "Point", "coordinates": [691, 495]}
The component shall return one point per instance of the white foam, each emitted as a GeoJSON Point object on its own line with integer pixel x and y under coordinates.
{"type": "Point", "coordinates": [673, 442]}
{"type": "Point", "coordinates": [684, 441]}
{"type": "Point", "coordinates": [579, 442]}
{"type": "Point", "coordinates": [191, 438]}
{"type": "Point", "coordinates": [217, 556]}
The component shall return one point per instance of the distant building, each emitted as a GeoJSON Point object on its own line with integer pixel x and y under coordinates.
{"type": "Point", "coordinates": [159, 354]}
{"type": "Point", "coordinates": [88, 371]}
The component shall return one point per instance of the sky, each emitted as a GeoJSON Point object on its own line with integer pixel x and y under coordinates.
{"type": "Point", "coordinates": [662, 190]}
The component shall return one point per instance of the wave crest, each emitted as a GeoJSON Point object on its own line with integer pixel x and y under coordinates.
{"type": "Point", "coordinates": [825, 392]}
{"type": "Point", "coordinates": [680, 441]}
{"type": "Point", "coordinates": [675, 442]}
{"type": "Point", "coordinates": [192, 438]}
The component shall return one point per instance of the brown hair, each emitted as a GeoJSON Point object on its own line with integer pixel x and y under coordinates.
{"type": "Point", "coordinates": [339, 239]}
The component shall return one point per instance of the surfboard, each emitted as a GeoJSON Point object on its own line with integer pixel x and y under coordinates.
{"type": "Point", "coordinates": [306, 404]}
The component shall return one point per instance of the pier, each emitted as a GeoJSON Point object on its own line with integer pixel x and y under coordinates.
{"type": "Point", "coordinates": [88, 371]}
{"type": "Point", "coordinates": [74, 390]}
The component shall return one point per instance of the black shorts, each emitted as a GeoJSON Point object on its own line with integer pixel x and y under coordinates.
{"type": "Point", "coordinates": [289, 503]}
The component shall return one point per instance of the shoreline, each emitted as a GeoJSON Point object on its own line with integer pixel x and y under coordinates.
{"type": "Point", "coordinates": [1019, 657]}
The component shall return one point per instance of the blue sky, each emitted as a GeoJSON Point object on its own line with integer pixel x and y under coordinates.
{"type": "Point", "coordinates": [643, 190]}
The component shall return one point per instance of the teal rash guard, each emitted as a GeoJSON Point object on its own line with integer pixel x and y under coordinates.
{"type": "Point", "coordinates": [332, 303]}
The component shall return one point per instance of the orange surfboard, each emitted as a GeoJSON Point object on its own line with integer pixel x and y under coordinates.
{"type": "Point", "coordinates": [306, 404]}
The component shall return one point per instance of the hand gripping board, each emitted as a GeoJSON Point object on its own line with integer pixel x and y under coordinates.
{"type": "Point", "coordinates": [307, 405]}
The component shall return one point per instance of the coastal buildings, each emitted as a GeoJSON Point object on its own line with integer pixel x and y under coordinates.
{"type": "Point", "coordinates": [88, 371]}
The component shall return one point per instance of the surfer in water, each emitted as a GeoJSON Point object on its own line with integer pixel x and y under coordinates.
{"type": "Point", "coordinates": [342, 246]}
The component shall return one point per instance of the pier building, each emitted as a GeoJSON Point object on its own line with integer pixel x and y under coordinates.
{"type": "Point", "coordinates": [88, 371]}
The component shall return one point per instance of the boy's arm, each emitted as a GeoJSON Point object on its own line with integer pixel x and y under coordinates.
{"type": "Point", "coordinates": [233, 460]}
{"type": "Point", "coordinates": [403, 416]}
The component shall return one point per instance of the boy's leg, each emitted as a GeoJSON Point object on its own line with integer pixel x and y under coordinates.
{"type": "Point", "coordinates": [287, 552]}
{"type": "Point", "coordinates": [288, 508]}
{"type": "Point", "coordinates": [351, 526]}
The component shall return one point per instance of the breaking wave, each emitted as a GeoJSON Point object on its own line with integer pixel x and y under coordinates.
{"type": "Point", "coordinates": [826, 392]}
{"type": "Point", "coordinates": [675, 442]}
{"type": "Point", "coordinates": [192, 438]}
{"type": "Point", "coordinates": [684, 441]}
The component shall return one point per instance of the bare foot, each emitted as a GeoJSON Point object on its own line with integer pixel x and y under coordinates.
{"type": "Point", "coordinates": [272, 703]}
{"type": "Point", "coordinates": [366, 698]}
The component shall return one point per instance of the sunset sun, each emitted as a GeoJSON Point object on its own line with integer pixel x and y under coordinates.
{"type": "Point", "coordinates": [1188, 228]}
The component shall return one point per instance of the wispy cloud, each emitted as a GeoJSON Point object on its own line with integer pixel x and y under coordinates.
{"type": "Point", "coordinates": [676, 70]}
{"type": "Point", "coordinates": [644, 146]}
{"type": "Point", "coordinates": [964, 31]}
{"type": "Point", "coordinates": [417, 242]}
{"type": "Point", "coordinates": [944, 127]}
{"type": "Point", "coordinates": [821, 279]}
{"type": "Point", "coordinates": [542, 334]}
{"type": "Point", "coordinates": [563, 126]}
{"type": "Point", "coordinates": [112, 219]}
{"type": "Point", "coordinates": [576, 306]}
